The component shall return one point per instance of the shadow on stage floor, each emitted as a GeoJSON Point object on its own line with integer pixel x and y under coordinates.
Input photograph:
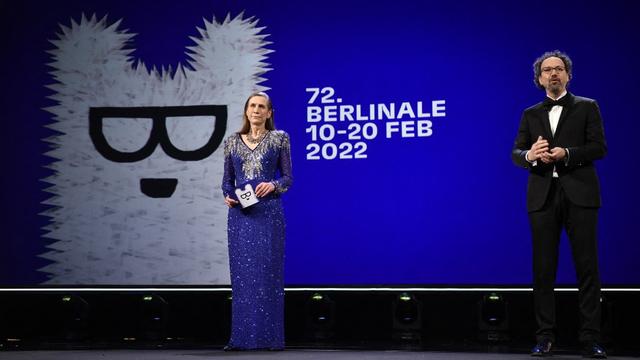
{"type": "Point", "coordinates": [298, 354]}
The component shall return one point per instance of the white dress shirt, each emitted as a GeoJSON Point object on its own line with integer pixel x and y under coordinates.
{"type": "Point", "coordinates": [554, 118]}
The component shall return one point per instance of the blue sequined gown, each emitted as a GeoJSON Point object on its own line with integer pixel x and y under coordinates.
{"type": "Point", "coordinates": [256, 241]}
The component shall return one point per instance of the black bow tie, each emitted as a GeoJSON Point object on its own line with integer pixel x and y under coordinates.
{"type": "Point", "coordinates": [549, 103]}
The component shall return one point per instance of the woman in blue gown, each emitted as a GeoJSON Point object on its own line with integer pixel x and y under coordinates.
{"type": "Point", "coordinates": [258, 155]}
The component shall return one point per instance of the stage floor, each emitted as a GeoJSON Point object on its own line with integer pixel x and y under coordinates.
{"type": "Point", "coordinates": [287, 354]}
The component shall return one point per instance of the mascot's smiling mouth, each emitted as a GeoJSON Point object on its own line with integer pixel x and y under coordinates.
{"type": "Point", "coordinates": [158, 188]}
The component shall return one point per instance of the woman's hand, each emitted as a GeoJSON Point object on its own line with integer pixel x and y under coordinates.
{"type": "Point", "coordinates": [264, 188]}
{"type": "Point", "coordinates": [230, 202]}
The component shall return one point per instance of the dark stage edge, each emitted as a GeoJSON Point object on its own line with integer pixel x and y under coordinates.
{"type": "Point", "coordinates": [197, 324]}
{"type": "Point", "coordinates": [287, 354]}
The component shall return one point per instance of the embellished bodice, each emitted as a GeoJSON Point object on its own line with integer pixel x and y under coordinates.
{"type": "Point", "coordinates": [269, 161]}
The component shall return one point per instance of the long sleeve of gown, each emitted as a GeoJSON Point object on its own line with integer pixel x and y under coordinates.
{"type": "Point", "coordinates": [284, 166]}
{"type": "Point", "coordinates": [228, 178]}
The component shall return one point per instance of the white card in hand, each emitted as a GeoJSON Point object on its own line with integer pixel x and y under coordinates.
{"type": "Point", "coordinates": [246, 196]}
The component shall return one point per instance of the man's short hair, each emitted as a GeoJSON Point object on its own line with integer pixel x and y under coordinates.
{"type": "Point", "coordinates": [538, 63]}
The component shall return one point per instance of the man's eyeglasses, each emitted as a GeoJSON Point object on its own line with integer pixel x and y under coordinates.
{"type": "Point", "coordinates": [159, 135]}
{"type": "Point", "coordinates": [548, 70]}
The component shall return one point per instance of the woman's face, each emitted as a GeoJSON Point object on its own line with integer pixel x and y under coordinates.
{"type": "Point", "coordinates": [258, 111]}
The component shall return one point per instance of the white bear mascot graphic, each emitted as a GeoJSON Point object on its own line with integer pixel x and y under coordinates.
{"type": "Point", "coordinates": [137, 156]}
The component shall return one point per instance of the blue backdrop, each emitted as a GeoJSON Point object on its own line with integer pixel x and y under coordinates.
{"type": "Point", "coordinates": [442, 205]}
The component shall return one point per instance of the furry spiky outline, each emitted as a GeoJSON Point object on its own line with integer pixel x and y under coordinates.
{"type": "Point", "coordinates": [103, 230]}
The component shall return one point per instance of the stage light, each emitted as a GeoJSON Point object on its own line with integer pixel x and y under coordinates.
{"type": "Point", "coordinates": [153, 317]}
{"type": "Point", "coordinates": [493, 322]}
{"type": "Point", "coordinates": [72, 317]}
{"type": "Point", "coordinates": [20, 320]}
{"type": "Point", "coordinates": [320, 316]}
{"type": "Point", "coordinates": [493, 309]}
{"type": "Point", "coordinates": [407, 318]}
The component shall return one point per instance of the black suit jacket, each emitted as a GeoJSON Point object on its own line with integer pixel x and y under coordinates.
{"type": "Point", "coordinates": [580, 131]}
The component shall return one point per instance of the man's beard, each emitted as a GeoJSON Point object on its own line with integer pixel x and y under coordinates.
{"type": "Point", "coordinates": [555, 88]}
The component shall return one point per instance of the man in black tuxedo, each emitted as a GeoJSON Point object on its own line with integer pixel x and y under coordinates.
{"type": "Point", "coordinates": [558, 141]}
